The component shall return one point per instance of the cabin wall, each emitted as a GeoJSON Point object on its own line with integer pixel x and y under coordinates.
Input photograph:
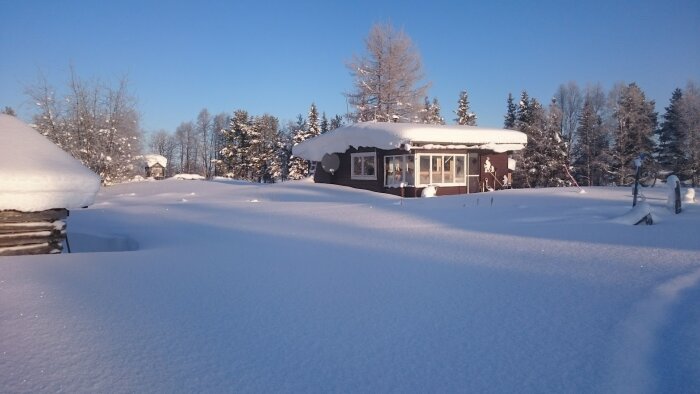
{"type": "Point", "coordinates": [343, 177]}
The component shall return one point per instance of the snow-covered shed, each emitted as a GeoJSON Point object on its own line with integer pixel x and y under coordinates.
{"type": "Point", "coordinates": [405, 158]}
{"type": "Point", "coordinates": [155, 165]}
{"type": "Point", "coordinates": [39, 183]}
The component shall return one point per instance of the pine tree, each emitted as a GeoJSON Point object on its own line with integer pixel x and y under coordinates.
{"type": "Point", "coordinates": [464, 115]}
{"type": "Point", "coordinates": [670, 149]}
{"type": "Point", "coordinates": [511, 114]}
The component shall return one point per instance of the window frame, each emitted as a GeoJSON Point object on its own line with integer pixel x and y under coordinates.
{"type": "Point", "coordinates": [456, 181]}
{"type": "Point", "coordinates": [363, 176]}
{"type": "Point", "coordinates": [404, 170]}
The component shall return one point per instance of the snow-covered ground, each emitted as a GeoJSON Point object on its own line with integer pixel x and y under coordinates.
{"type": "Point", "coordinates": [195, 286]}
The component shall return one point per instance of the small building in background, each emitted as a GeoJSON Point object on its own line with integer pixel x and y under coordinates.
{"type": "Point", "coordinates": [39, 184]}
{"type": "Point", "coordinates": [155, 166]}
{"type": "Point", "coordinates": [405, 158]}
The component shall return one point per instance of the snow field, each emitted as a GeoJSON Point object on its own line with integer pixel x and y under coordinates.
{"type": "Point", "coordinates": [298, 287]}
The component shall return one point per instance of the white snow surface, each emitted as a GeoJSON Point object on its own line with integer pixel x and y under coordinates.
{"type": "Point", "coordinates": [151, 159]}
{"type": "Point", "coordinates": [224, 286]}
{"type": "Point", "coordinates": [36, 175]}
{"type": "Point", "coordinates": [403, 135]}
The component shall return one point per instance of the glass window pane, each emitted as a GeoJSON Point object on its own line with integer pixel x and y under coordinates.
{"type": "Point", "coordinates": [436, 170]}
{"type": "Point", "coordinates": [368, 165]}
{"type": "Point", "coordinates": [459, 169]}
{"type": "Point", "coordinates": [357, 165]}
{"type": "Point", "coordinates": [448, 168]}
{"type": "Point", "coordinates": [409, 178]}
{"type": "Point", "coordinates": [424, 169]}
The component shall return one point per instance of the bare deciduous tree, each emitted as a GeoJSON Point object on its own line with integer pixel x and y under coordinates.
{"type": "Point", "coordinates": [387, 78]}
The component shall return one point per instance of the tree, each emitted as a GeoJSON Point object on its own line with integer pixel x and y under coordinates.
{"type": "Point", "coordinates": [590, 146]}
{"type": "Point", "coordinates": [185, 146]}
{"type": "Point", "coordinates": [670, 149]}
{"type": "Point", "coordinates": [690, 115]}
{"type": "Point", "coordinates": [314, 129]}
{"type": "Point", "coordinates": [95, 123]}
{"type": "Point", "coordinates": [206, 141]}
{"type": "Point", "coordinates": [387, 78]}
{"type": "Point", "coordinates": [511, 114]}
{"type": "Point", "coordinates": [164, 144]}
{"type": "Point", "coordinates": [218, 128]}
{"type": "Point", "coordinates": [336, 121]}
{"type": "Point", "coordinates": [635, 122]}
{"type": "Point", "coordinates": [464, 115]}
{"type": "Point", "coordinates": [569, 101]}
{"type": "Point", "coordinates": [8, 111]}
{"type": "Point", "coordinates": [324, 123]}
{"type": "Point", "coordinates": [298, 167]}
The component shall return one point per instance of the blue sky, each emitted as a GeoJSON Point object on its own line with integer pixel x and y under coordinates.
{"type": "Point", "coordinates": [278, 57]}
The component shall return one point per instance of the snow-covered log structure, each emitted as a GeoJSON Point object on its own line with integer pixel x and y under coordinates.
{"type": "Point", "coordinates": [404, 158]}
{"type": "Point", "coordinates": [39, 183]}
{"type": "Point", "coordinates": [155, 166]}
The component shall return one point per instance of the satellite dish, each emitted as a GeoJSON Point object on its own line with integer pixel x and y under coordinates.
{"type": "Point", "coordinates": [330, 162]}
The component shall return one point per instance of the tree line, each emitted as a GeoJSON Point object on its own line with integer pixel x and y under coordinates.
{"type": "Point", "coordinates": [584, 136]}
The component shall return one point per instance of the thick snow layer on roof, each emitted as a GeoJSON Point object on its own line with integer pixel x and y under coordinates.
{"type": "Point", "coordinates": [152, 159]}
{"type": "Point", "coordinates": [397, 135]}
{"type": "Point", "coordinates": [36, 175]}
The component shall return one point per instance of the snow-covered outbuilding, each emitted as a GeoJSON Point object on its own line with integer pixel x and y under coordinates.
{"type": "Point", "coordinates": [39, 183]}
{"type": "Point", "coordinates": [155, 165]}
{"type": "Point", "coordinates": [404, 158]}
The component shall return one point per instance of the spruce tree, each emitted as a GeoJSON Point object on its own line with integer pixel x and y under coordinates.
{"type": "Point", "coordinates": [314, 129]}
{"type": "Point", "coordinates": [511, 114]}
{"type": "Point", "coordinates": [635, 124]}
{"type": "Point", "coordinates": [464, 115]}
{"type": "Point", "coordinates": [298, 167]}
{"type": "Point", "coordinates": [324, 123]}
{"type": "Point", "coordinates": [670, 149]}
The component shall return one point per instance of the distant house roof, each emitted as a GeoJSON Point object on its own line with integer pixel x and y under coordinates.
{"type": "Point", "coordinates": [389, 136]}
{"type": "Point", "coordinates": [36, 175]}
{"type": "Point", "coordinates": [153, 159]}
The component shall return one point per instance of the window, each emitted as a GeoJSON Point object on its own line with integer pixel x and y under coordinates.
{"type": "Point", "coordinates": [398, 170]}
{"type": "Point", "coordinates": [443, 169]}
{"type": "Point", "coordinates": [363, 165]}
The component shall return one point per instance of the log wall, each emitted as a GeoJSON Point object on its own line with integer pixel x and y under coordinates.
{"type": "Point", "coordinates": [23, 233]}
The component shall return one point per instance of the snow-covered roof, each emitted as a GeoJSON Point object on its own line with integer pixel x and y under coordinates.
{"type": "Point", "coordinates": [407, 135]}
{"type": "Point", "coordinates": [152, 159]}
{"type": "Point", "coordinates": [36, 175]}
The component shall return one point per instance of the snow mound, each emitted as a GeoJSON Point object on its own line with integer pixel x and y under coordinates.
{"type": "Point", "coordinates": [188, 177]}
{"type": "Point", "coordinates": [36, 175]}
{"type": "Point", "coordinates": [636, 215]}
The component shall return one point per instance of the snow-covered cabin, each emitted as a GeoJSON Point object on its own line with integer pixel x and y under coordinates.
{"type": "Point", "coordinates": [405, 158]}
{"type": "Point", "coordinates": [39, 183]}
{"type": "Point", "coordinates": [155, 166]}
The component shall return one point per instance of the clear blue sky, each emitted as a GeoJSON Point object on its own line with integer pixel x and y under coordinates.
{"type": "Point", "coordinates": [278, 57]}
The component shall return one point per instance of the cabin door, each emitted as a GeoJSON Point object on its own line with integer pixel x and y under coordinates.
{"type": "Point", "coordinates": [473, 170]}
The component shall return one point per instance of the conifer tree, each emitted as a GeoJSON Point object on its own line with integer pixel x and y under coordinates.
{"type": "Point", "coordinates": [314, 129]}
{"type": "Point", "coordinates": [590, 147]}
{"type": "Point", "coordinates": [635, 122]}
{"type": "Point", "coordinates": [298, 167]}
{"type": "Point", "coordinates": [324, 123]}
{"type": "Point", "coordinates": [511, 114]}
{"type": "Point", "coordinates": [670, 149]}
{"type": "Point", "coordinates": [464, 114]}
